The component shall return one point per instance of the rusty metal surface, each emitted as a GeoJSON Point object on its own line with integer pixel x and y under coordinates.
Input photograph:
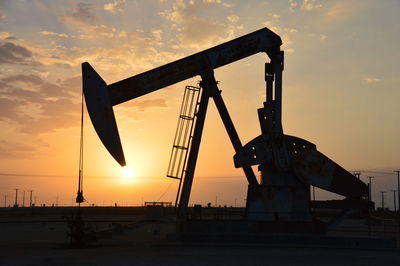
{"type": "Point", "coordinates": [311, 167]}
{"type": "Point", "coordinates": [101, 112]}
{"type": "Point", "coordinates": [259, 150]}
{"type": "Point", "coordinates": [314, 168]}
{"type": "Point", "coordinates": [262, 40]}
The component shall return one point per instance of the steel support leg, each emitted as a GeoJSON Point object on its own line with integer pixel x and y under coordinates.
{"type": "Point", "coordinates": [230, 128]}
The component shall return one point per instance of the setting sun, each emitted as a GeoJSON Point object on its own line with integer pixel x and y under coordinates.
{"type": "Point", "coordinates": [127, 172]}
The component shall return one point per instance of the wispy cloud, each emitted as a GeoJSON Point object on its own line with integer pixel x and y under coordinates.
{"type": "Point", "coordinates": [343, 10]}
{"type": "Point", "coordinates": [371, 79]}
{"type": "Point", "coordinates": [80, 13]}
{"type": "Point", "coordinates": [31, 103]}
{"type": "Point", "coordinates": [195, 30]}
{"type": "Point", "coordinates": [323, 37]}
{"type": "Point", "coordinates": [15, 150]}
{"type": "Point", "coordinates": [310, 5]}
{"type": "Point", "coordinates": [11, 110]}
{"type": "Point", "coordinates": [147, 104]}
{"type": "Point", "coordinates": [115, 7]}
{"type": "Point", "coordinates": [36, 106]}
{"type": "Point", "coordinates": [232, 18]}
{"type": "Point", "coordinates": [157, 34]}
{"type": "Point", "coordinates": [305, 5]}
{"type": "Point", "coordinates": [11, 53]}
{"type": "Point", "coordinates": [54, 34]}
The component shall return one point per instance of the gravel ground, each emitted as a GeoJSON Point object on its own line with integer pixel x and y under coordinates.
{"type": "Point", "coordinates": [45, 243]}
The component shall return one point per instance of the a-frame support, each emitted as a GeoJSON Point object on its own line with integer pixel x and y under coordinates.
{"type": "Point", "coordinates": [210, 89]}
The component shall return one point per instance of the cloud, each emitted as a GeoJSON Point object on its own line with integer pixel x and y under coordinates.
{"type": "Point", "coordinates": [95, 32]}
{"type": "Point", "coordinates": [307, 5]}
{"type": "Point", "coordinates": [157, 34]}
{"type": "Point", "coordinates": [115, 6]}
{"type": "Point", "coordinates": [310, 5]}
{"type": "Point", "coordinates": [13, 150]}
{"type": "Point", "coordinates": [232, 18]}
{"type": "Point", "coordinates": [37, 106]}
{"type": "Point", "coordinates": [293, 4]}
{"type": "Point", "coordinates": [130, 50]}
{"type": "Point", "coordinates": [11, 110]}
{"type": "Point", "coordinates": [53, 119]}
{"type": "Point", "coordinates": [71, 82]}
{"type": "Point", "coordinates": [24, 53]}
{"type": "Point", "coordinates": [146, 104]}
{"type": "Point", "coordinates": [80, 13]}
{"type": "Point", "coordinates": [371, 80]}
{"type": "Point", "coordinates": [4, 35]}
{"type": "Point", "coordinates": [342, 11]}
{"type": "Point", "coordinates": [276, 16]}
{"type": "Point", "coordinates": [323, 37]}
{"type": "Point", "coordinates": [49, 33]}
{"type": "Point", "coordinates": [11, 53]}
{"type": "Point", "coordinates": [53, 90]}
{"type": "Point", "coordinates": [197, 31]}
{"type": "Point", "coordinates": [22, 85]}
{"type": "Point", "coordinates": [32, 79]}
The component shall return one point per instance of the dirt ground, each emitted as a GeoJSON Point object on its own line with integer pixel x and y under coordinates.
{"type": "Point", "coordinates": [39, 242]}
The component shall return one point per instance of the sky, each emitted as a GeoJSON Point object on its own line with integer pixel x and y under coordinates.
{"type": "Point", "coordinates": [340, 91]}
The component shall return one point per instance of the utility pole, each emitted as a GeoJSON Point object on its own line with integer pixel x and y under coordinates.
{"type": "Point", "coordinates": [16, 198]}
{"type": "Point", "coordinates": [398, 194]}
{"type": "Point", "coordinates": [394, 199]}
{"type": "Point", "coordinates": [30, 198]}
{"type": "Point", "coordinates": [5, 200]}
{"type": "Point", "coordinates": [383, 200]}
{"type": "Point", "coordinates": [370, 187]}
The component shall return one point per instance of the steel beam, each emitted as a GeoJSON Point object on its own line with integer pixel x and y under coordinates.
{"type": "Point", "coordinates": [262, 40]}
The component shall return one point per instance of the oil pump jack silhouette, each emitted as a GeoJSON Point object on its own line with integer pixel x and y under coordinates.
{"type": "Point", "coordinates": [288, 165]}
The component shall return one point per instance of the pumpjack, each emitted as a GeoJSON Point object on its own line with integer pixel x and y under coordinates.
{"type": "Point", "coordinates": [288, 165]}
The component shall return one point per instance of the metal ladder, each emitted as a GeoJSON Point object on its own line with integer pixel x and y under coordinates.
{"type": "Point", "coordinates": [183, 135]}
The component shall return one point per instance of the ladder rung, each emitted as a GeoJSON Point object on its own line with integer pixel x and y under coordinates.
{"type": "Point", "coordinates": [186, 117]}
{"type": "Point", "coordinates": [174, 177]}
{"type": "Point", "coordinates": [192, 88]}
{"type": "Point", "coordinates": [180, 147]}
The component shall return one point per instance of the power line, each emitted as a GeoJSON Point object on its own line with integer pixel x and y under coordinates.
{"type": "Point", "coordinates": [377, 172]}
